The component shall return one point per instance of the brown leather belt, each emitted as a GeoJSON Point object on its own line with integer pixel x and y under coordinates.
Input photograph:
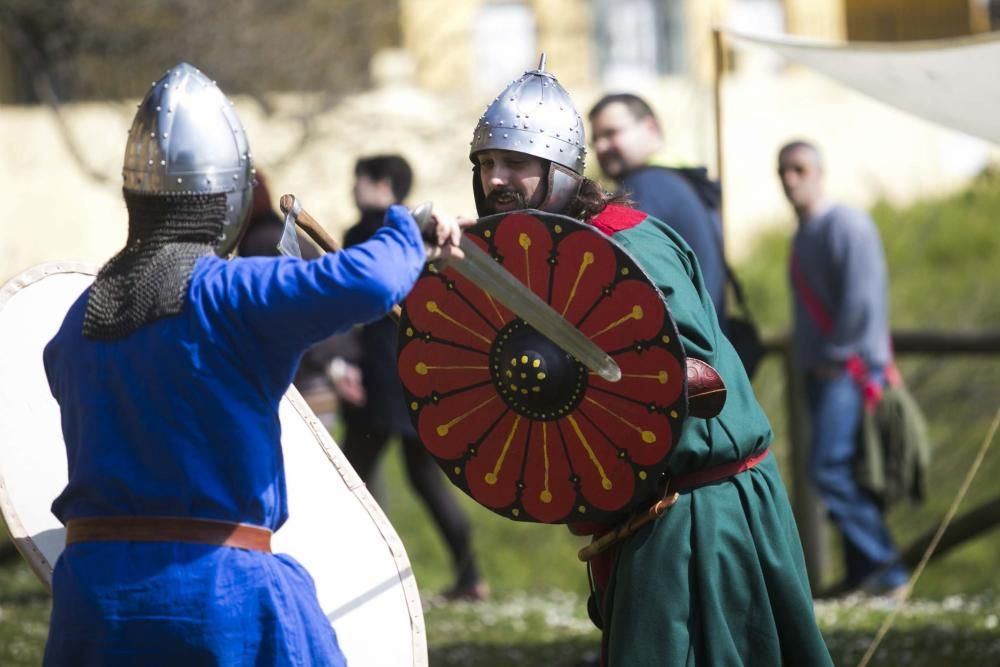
{"type": "Point", "coordinates": [168, 529]}
{"type": "Point", "coordinates": [674, 487]}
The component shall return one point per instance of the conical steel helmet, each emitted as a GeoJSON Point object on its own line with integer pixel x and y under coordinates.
{"type": "Point", "coordinates": [187, 139]}
{"type": "Point", "coordinates": [535, 115]}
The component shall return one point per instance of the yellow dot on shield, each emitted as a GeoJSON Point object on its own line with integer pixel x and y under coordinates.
{"type": "Point", "coordinates": [487, 233]}
{"type": "Point", "coordinates": [409, 332]}
{"type": "Point", "coordinates": [541, 375]}
{"type": "Point", "coordinates": [642, 474]}
{"type": "Point", "coordinates": [513, 362]}
{"type": "Point", "coordinates": [545, 496]}
{"type": "Point", "coordinates": [663, 376]}
{"type": "Point", "coordinates": [513, 387]}
{"type": "Point", "coordinates": [606, 484]}
{"type": "Point", "coordinates": [442, 430]}
{"type": "Point", "coordinates": [515, 512]}
{"type": "Point", "coordinates": [536, 363]}
{"type": "Point", "coordinates": [458, 471]}
{"type": "Point", "coordinates": [648, 437]}
{"type": "Point", "coordinates": [524, 358]}
{"type": "Point", "coordinates": [490, 478]}
{"type": "Point", "coordinates": [624, 270]}
{"type": "Point", "coordinates": [666, 339]}
{"type": "Point", "coordinates": [536, 389]}
{"type": "Point", "coordinates": [673, 414]}
{"type": "Point", "coordinates": [558, 229]}
{"type": "Point", "coordinates": [581, 509]}
{"type": "Point", "coordinates": [421, 368]}
{"type": "Point", "coordinates": [414, 405]}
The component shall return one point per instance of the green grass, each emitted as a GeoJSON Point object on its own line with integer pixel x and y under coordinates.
{"type": "Point", "coordinates": [944, 260]}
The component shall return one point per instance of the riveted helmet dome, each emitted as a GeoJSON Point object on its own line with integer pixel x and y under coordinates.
{"type": "Point", "coordinates": [533, 115]}
{"type": "Point", "coordinates": [187, 139]}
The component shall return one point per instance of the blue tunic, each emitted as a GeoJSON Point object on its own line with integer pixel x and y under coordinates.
{"type": "Point", "coordinates": [181, 419]}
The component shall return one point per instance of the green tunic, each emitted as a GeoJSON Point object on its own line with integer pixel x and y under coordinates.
{"type": "Point", "coordinates": [719, 579]}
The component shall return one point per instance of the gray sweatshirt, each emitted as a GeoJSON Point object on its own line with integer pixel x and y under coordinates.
{"type": "Point", "coordinates": [840, 256]}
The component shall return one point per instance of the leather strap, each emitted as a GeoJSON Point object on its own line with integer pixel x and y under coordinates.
{"type": "Point", "coordinates": [168, 529]}
{"type": "Point", "coordinates": [692, 480]}
{"type": "Point", "coordinates": [675, 486]}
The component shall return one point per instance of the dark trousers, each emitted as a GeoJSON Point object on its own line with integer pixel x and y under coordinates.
{"type": "Point", "coordinates": [363, 448]}
{"type": "Point", "coordinates": [835, 405]}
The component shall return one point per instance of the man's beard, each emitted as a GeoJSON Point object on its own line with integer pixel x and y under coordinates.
{"type": "Point", "coordinates": [490, 203]}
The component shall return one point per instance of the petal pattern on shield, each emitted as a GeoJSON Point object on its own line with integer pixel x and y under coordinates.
{"type": "Point", "coordinates": [631, 312]}
{"type": "Point", "coordinates": [549, 494]}
{"type": "Point", "coordinates": [519, 425]}
{"type": "Point", "coordinates": [493, 472]}
{"type": "Point", "coordinates": [586, 265]}
{"type": "Point", "coordinates": [606, 479]}
{"type": "Point", "coordinates": [436, 305]}
{"type": "Point", "coordinates": [525, 244]}
{"type": "Point", "coordinates": [449, 426]}
{"type": "Point", "coordinates": [438, 367]}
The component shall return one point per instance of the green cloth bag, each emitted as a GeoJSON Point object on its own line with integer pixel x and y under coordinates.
{"type": "Point", "coordinates": [894, 449]}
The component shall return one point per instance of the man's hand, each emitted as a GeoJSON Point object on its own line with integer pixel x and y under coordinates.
{"type": "Point", "coordinates": [442, 236]}
{"type": "Point", "coordinates": [346, 379]}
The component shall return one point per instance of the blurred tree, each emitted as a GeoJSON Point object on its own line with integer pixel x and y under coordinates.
{"type": "Point", "coordinates": [74, 50]}
{"type": "Point", "coordinates": [109, 49]}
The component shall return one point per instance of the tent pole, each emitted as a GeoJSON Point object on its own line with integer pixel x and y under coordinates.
{"type": "Point", "coordinates": [719, 69]}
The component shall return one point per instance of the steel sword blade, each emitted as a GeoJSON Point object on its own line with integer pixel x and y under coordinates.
{"type": "Point", "coordinates": [487, 274]}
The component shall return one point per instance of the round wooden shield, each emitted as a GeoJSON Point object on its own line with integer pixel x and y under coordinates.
{"type": "Point", "coordinates": [335, 529]}
{"type": "Point", "coordinates": [514, 421]}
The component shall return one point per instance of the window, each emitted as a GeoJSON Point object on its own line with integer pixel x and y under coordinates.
{"type": "Point", "coordinates": [505, 43]}
{"type": "Point", "coordinates": [638, 40]}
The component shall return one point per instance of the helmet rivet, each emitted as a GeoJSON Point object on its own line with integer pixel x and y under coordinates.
{"type": "Point", "coordinates": [236, 177]}
{"type": "Point", "coordinates": [150, 162]}
{"type": "Point", "coordinates": [152, 135]}
{"type": "Point", "coordinates": [163, 163]}
{"type": "Point", "coordinates": [180, 180]}
{"type": "Point", "coordinates": [505, 135]}
{"type": "Point", "coordinates": [166, 134]}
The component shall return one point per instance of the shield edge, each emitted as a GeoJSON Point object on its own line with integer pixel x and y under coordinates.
{"type": "Point", "coordinates": [43, 569]}
{"type": "Point", "coordinates": [31, 554]}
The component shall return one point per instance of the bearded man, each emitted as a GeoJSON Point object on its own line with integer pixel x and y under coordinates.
{"type": "Point", "coordinates": [718, 579]}
{"type": "Point", "coordinates": [168, 371]}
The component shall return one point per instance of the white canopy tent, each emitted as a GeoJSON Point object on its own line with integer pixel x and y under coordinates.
{"type": "Point", "coordinates": [953, 82]}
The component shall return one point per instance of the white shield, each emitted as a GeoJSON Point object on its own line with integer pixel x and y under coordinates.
{"type": "Point", "coordinates": [335, 528]}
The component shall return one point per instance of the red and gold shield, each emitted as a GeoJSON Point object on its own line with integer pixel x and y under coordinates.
{"type": "Point", "coordinates": [514, 421]}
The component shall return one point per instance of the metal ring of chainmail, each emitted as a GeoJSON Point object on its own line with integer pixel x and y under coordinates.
{"type": "Point", "coordinates": [149, 277]}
